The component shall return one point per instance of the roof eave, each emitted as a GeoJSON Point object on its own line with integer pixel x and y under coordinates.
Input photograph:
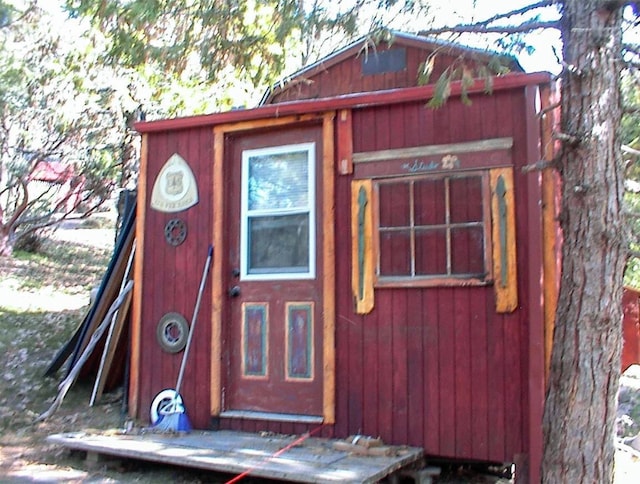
{"type": "Point", "coordinates": [347, 101]}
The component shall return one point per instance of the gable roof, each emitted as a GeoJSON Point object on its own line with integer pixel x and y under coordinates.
{"type": "Point", "coordinates": [397, 39]}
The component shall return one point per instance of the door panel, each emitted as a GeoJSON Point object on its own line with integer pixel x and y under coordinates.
{"type": "Point", "coordinates": [274, 336]}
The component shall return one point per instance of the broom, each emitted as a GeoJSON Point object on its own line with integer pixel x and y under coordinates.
{"type": "Point", "coordinates": [172, 416]}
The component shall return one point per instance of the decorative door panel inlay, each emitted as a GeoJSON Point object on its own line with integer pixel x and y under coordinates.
{"type": "Point", "coordinates": [299, 351]}
{"type": "Point", "coordinates": [255, 348]}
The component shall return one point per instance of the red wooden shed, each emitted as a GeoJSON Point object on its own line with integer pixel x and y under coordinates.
{"type": "Point", "coordinates": [380, 267]}
{"type": "Point", "coordinates": [630, 328]}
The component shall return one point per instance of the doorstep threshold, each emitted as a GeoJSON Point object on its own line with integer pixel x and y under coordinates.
{"type": "Point", "coordinates": [272, 416]}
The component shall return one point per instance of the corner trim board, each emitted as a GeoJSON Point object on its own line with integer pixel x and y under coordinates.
{"type": "Point", "coordinates": [136, 316]}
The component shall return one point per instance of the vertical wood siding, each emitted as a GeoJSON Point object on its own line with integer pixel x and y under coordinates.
{"type": "Point", "coordinates": [433, 367]}
{"type": "Point", "coordinates": [171, 276]}
{"type": "Point", "coordinates": [437, 367]}
{"type": "Point", "coordinates": [346, 77]}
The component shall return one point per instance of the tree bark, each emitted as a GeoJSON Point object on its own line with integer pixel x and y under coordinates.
{"type": "Point", "coordinates": [6, 247]}
{"type": "Point", "coordinates": [581, 401]}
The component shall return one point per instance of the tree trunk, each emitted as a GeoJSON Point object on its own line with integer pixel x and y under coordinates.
{"type": "Point", "coordinates": [580, 407]}
{"type": "Point", "coordinates": [6, 246]}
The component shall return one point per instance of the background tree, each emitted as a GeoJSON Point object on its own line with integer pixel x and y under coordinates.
{"type": "Point", "coordinates": [630, 135]}
{"type": "Point", "coordinates": [228, 53]}
{"type": "Point", "coordinates": [61, 128]}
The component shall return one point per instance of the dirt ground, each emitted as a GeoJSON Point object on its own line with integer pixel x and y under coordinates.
{"type": "Point", "coordinates": [42, 300]}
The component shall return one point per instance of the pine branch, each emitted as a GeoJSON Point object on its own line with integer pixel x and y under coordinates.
{"type": "Point", "coordinates": [630, 151]}
{"type": "Point", "coordinates": [549, 108]}
{"type": "Point", "coordinates": [566, 138]}
{"type": "Point", "coordinates": [633, 49]}
{"type": "Point", "coordinates": [540, 165]}
{"type": "Point", "coordinates": [484, 26]}
{"type": "Point", "coordinates": [22, 15]}
{"type": "Point", "coordinates": [520, 11]}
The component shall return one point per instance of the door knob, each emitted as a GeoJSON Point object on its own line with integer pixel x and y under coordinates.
{"type": "Point", "coordinates": [234, 291]}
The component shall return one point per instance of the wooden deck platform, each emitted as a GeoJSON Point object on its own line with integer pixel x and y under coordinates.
{"type": "Point", "coordinates": [287, 458]}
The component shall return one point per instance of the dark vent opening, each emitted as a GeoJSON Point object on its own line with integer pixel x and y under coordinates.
{"type": "Point", "coordinates": [392, 60]}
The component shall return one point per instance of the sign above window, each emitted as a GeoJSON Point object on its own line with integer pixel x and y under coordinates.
{"type": "Point", "coordinates": [472, 155]}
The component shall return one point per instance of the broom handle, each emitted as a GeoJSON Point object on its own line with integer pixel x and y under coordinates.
{"type": "Point", "coordinates": [193, 319]}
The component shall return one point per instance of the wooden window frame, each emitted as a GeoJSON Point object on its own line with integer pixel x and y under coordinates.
{"type": "Point", "coordinates": [439, 279]}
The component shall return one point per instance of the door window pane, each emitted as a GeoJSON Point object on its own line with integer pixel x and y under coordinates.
{"type": "Point", "coordinates": [277, 234]}
{"type": "Point", "coordinates": [279, 180]}
{"type": "Point", "coordinates": [279, 244]}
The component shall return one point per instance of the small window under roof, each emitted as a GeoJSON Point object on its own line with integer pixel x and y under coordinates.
{"type": "Point", "coordinates": [379, 62]}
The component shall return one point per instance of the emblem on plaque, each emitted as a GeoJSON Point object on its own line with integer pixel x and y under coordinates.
{"type": "Point", "coordinates": [175, 188]}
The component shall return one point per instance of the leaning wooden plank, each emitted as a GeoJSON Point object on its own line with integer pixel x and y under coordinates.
{"type": "Point", "coordinates": [64, 386]}
{"type": "Point", "coordinates": [113, 335]}
{"type": "Point", "coordinates": [111, 346]}
{"type": "Point", "coordinates": [108, 289]}
{"type": "Point", "coordinates": [71, 347]}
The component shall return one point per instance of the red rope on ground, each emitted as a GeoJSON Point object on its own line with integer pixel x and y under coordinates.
{"type": "Point", "coordinates": [298, 441]}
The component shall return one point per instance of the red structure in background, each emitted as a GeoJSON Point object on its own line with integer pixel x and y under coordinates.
{"type": "Point", "coordinates": [630, 328]}
{"type": "Point", "coordinates": [61, 179]}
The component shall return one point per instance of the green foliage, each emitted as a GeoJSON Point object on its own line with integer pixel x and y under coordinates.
{"type": "Point", "coordinates": [630, 136]}
{"type": "Point", "coordinates": [467, 74]}
{"type": "Point", "coordinates": [9, 12]}
{"type": "Point", "coordinates": [232, 51]}
{"type": "Point", "coordinates": [251, 35]}
{"type": "Point", "coordinates": [63, 136]}
{"type": "Point", "coordinates": [442, 89]}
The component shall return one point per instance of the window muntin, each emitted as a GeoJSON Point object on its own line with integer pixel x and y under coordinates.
{"type": "Point", "coordinates": [277, 234]}
{"type": "Point", "coordinates": [434, 229]}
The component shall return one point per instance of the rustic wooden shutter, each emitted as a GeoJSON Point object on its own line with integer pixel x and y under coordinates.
{"type": "Point", "coordinates": [504, 240]}
{"type": "Point", "coordinates": [362, 246]}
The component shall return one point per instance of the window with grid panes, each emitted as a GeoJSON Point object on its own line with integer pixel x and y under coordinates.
{"type": "Point", "coordinates": [434, 229]}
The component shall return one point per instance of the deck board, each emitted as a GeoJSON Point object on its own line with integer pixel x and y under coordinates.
{"type": "Point", "coordinates": [311, 460]}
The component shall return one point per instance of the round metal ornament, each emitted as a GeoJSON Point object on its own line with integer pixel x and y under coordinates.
{"type": "Point", "coordinates": [172, 332]}
{"type": "Point", "coordinates": [175, 232]}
